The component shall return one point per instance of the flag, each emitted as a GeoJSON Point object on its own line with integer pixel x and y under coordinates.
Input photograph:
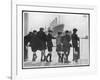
{"type": "Point", "coordinates": [53, 23]}
{"type": "Point", "coordinates": [56, 27]}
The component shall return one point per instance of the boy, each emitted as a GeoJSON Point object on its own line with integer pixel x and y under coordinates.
{"type": "Point", "coordinates": [59, 46]}
{"type": "Point", "coordinates": [75, 42]}
{"type": "Point", "coordinates": [66, 45]}
{"type": "Point", "coordinates": [49, 46]}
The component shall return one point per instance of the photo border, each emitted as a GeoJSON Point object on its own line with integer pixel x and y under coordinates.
{"type": "Point", "coordinates": [58, 66]}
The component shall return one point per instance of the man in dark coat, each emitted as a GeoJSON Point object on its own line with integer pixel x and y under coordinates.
{"type": "Point", "coordinates": [66, 45]}
{"type": "Point", "coordinates": [42, 36]}
{"type": "Point", "coordinates": [27, 39]}
{"type": "Point", "coordinates": [49, 45]}
{"type": "Point", "coordinates": [35, 44]}
{"type": "Point", "coordinates": [75, 43]}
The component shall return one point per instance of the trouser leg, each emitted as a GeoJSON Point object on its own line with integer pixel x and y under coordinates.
{"type": "Point", "coordinates": [75, 54]}
{"type": "Point", "coordinates": [49, 57]}
{"type": "Point", "coordinates": [62, 57]}
{"type": "Point", "coordinates": [59, 56]}
{"type": "Point", "coordinates": [65, 57]}
{"type": "Point", "coordinates": [43, 55]}
{"type": "Point", "coordinates": [34, 56]}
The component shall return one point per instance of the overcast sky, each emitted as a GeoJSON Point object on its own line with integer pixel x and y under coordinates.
{"type": "Point", "coordinates": [70, 21]}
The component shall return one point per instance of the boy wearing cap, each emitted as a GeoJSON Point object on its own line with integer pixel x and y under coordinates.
{"type": "Point", "coordinates": [66, 45]}
{"type": "Point", "coordinates": [49, 46]}
{"type": "Point", "coordinates": [75, 43]}
{"type": "Point", "coordinates": [42, 37]}
{"type": "Point", "coordinates": [59, 46]}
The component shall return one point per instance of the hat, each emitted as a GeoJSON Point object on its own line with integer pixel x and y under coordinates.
{"type": "Point", "coordinates": [34, 31]}
{"type": "Point", "coordinates": [66, 31]}
{"type": "Point", "coordinates": [74, 29]}
{"type": "Point", "coordinates": [41, 29]}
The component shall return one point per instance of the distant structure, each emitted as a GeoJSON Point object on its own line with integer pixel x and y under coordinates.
{"type": "Point", "coordinates": [86, 37]}
{"type": "Point", "coordinates": [56, 26]}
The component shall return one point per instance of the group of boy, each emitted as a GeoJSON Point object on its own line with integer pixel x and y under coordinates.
{"type": "Point", "coordinates": [40, 41]}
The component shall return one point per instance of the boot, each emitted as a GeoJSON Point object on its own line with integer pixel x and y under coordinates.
{"type": "Point", "coordinates": [59, 58]}
{"type": "Point", "coordinates": [42, 58]}
{"type": "Point", "coordinates": [66, 59]}
{"type": "Point", "coordinates": [48, 57]}
{"type": "Point", "coordinates": [62, 58]}
{"type": "Point", "coordinates": [34, 57]}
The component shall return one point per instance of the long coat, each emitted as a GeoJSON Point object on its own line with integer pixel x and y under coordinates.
{"type": "Point", "coordinates": [49, 40]}
{"type": "Point", "coordinates": [42, 37]}
{"type": "Point", "coordinates": [75, 40]}
{"type": "Point", "coordinates": [75, 44]}
{"type": "Point", "coordinates": [35, 43]}
{"type": "Point", "coordinates": [58, 43]}
{"type": "Point", "coordinates": [27, 38]}
{"type": "Point", "coordinates": [66, 43]}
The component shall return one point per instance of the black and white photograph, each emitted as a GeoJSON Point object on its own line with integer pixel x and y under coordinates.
{"type": "Point", "coordinates": [55, 39]}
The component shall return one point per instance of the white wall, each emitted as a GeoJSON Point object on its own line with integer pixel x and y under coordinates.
{"type": "Point", "coordinates": [5, 34]}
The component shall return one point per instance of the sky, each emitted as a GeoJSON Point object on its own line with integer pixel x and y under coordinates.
{"type": "Point", "coordinates": [35, 20]}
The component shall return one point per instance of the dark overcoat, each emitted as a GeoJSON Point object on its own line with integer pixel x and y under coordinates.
{"type": "Point", "coordinates": [42, 37]}
{"type": "Point", "coordinates": [49, 40]}
{"type": "Point", "coordinates": [27, 38]}
{"type": "Point", "coordinates": [75, 44]}
{"type": "Point", "coordinates": [35, 43]}
{"type": "Point", "coordinates": [66, 42]}
{"type": "Point", "coordinates": [75, 40]}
